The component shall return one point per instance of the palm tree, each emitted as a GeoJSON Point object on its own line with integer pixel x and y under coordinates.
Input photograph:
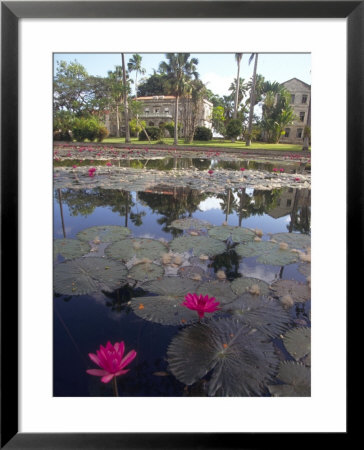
{"type": "Point", "coordinates": [135, 65]}
{"type": "Point", "coordinates": [238, 58]}
{"type": "Point", "coordinates": [179, 70]}
{"type": "Point", "coordinates": [126, 111]}
{"type": "Point", "coordinates": [252, 99]}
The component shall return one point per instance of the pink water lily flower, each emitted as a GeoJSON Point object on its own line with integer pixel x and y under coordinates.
{"type": "Point", "coordinates": [111, 361]}
{"type": "Point", "coordinates": [201, 304]}
{"type": "Point", "coordinates": [108, 164]}
{"type": "Point", "coordinates": [242, 169]}
{"type": "Point", "coordinates": [210, 172]}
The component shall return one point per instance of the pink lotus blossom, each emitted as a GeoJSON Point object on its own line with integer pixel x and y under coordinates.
{"type": "Point", "coordinates": [275, 170]}
{"type": "Point", "coordinates": [74, 166]}
{"type": "Point", "coordinates": [111, 361]}
{"type": "Point", "coordinates": [201, 304]}
{"type": "Point", "coordinates": [210, 172]}
{"type": "Point", "coordinates": [242, 169]}
{"type": "Point", "coordinates": [297, 179]}
{"type": "Point", "coordinates": [108, 164]}
{"type": "Point", "coordinates": [281, 170]}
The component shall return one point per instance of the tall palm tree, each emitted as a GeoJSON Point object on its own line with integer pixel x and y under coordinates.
{"type": "Point", "coordinates": [179, 70]}
{"type": "Point", "coordinates": [252, 98]}
{"type": "Point", "coordinates": [238, 58]}
{"type": "Point", "coordinates": [135, 65]}
{"type": "Point", "coordinates": [126, 110]}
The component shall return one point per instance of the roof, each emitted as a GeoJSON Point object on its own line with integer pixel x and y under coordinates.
{"type": "Point", "coordinates": [157, 97]}
{"type": "Point", "coordinates": [297, 79]}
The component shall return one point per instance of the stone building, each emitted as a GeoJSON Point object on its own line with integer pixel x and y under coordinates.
{"type": "Point", "coordinates": [160, 109]}
{"type": "Point", "coordinates": [301, 103]}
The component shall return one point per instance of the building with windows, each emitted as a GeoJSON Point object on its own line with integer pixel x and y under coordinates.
{"type": "Point", "coordinates": [301, 103]}
{"type": "Point", "coordinates": [160, 109]}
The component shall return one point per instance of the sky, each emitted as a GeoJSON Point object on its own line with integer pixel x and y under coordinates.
{"type": "Point", "coordinates": [216, 70]}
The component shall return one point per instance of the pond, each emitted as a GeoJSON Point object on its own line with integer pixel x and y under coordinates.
{"type": "Point", "coordinates": [133, 237]}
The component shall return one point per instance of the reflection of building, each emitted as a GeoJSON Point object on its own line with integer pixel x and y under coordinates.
{"type": "Point", "coordinates": [289, 200]}
{"type": "Point", "coordinates": [160, 109]}
{"type": "Point", "coordinates": [301, 103]}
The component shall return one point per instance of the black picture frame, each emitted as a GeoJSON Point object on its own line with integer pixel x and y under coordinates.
{"type": "Point", "coordinates": [11, 12]}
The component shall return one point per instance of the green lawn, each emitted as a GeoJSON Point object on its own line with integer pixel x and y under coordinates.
{"type": "Point", "coordinates": [218, 143]}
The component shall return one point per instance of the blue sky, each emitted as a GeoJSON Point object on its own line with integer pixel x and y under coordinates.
{"type": "Point", "coordinates": [217, 70]}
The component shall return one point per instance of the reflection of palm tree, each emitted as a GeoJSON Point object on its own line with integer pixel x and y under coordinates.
{"type": "Point", "coordinates": [228, 203]}
{"type": "Point", "coordinates": [61, 210]}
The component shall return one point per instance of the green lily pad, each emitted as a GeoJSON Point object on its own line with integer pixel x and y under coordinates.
{"type": "Point", "coordinates": [237, 234]}
{"type": "Point", "coordinates": [107, 233]}
{"type": "Point", "coordinates": [163, 303]}
{"type": "Point", "coordinates": [195, 273]}
{"type": "Point", "coordinates": [299, 292]}
{"type": "Point", "coordinates": [294, 240]}
{"type": "Point", "coordinates": [255, 248]}
{"type": "Point", "coordinates": [87, 275]}
{"type": "Point", "coordinates": [297, 379]}
{"type": "Point", "coordinates": [298, 342]}
{"type": "Point", "coordinates": [140, 248]}
{"type": "Point", "coordinates": [190, 223]}
{"type": "Point", "coordinates": [145, 272]}
{"type": "Point", "coordinates": [70, 248]}
{"type": "Point", "coordinates": [241, 360]}
{"type": "Point", "coordinates": [200, 245]}
{"type": "Point", "coordinates": [264, 314]}
{"type": "Point", "coordinates": [267, 252]}
{"type": "Point", "coordinates": [221, 290]}
{"type": "Point", "coordinates": [243, 284]}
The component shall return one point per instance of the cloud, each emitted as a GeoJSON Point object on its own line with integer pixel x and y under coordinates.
{"type": "Point", "coordinates": [217, 83]}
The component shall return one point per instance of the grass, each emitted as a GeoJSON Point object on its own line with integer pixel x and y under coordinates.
{"type": "Point", "coordinates": [217, 143]}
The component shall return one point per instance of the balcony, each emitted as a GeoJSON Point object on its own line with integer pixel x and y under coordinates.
{"type": "Point", "coordinates": [150, 115]}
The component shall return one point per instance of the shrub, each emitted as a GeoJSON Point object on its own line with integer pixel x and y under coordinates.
{"type": "Point", "coordinates": [234, 129]}
{"type": "Point", "coordinates": [154, 134]}
{"type": "Point", "coordinates": [62, 126]}
{"type": "Point", "coordinates": [88, 128]}
{"type": "Point", "coordinates": [202, 134]}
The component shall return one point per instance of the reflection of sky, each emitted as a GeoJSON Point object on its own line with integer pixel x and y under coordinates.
{"type": "Point", "coordinates": [209, 210]}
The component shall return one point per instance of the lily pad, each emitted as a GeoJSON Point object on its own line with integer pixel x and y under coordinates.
{"type": "Point", "coordinates": [200, 245]}
{"type": "Point", "coordinates": [237, 234]}
{"type": "Point", "coordinates": [241, 360]}
{"type": "Point", "coordinates": [305, 269]}
{"type": "Point", "coordinates": [299, 292]}
{"type": "Point", "coordinates": [70, 248]}
{"type": "Point", "coordinates": [298, 342]}
{"type": "Point", "coordinates": [140, 248]}
{"type": "Point", "coordinates": [294, 240]}
{"type": "Point", "coordinates": [221, 290]}
{"type": "Point", "coordinates": [145, 272]}
{"type": "Point", "coordinates": [163, 303]}
{"type": "Point", "coordinates": [243, 284]}
{"type": "Point", "coordinates": [195, 273]}
{"type": "Point", "coordinates": [297, 379]}
{"type": "Point", "coordinates": [87, 275]}
{"type": "Point", "coordinates": [255, 248]}
{"type": "Point", "coordinates": [264, 314]}
{"type": "Point", "coordinates": [190, 223]}
{"type": "Point", "coordinates": [107, 233]}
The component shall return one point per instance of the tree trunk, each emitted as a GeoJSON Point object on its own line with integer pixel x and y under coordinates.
{"type": "Point", "coordinates": [176, 122]}
{"type": "Point", "coordinates": [126, 110]}
{"type": "Point", "coordinates": [306, 139]}
{"type": "Point", "coordinates": [235, 115]}
{"type": "Point", "coordinates": [117, 121]}
{"type": "Point", "coordinates": [252, 100]}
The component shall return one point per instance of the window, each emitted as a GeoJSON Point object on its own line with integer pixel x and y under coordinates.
{"type": "Point", "coordinates": [302, 116]}
{"type": "Point", "coordinates": [146, 110]}
{"type": "Point", "coordinates": [292, 98]}
{"type": "Point", "coordinates": [287, 130]}
{"type": "Point", "coordinates": [304, 98]}
{"type": "Point", "coordinates": [289, 202]}
{"type": "Point", "coordinates": [299, 133]}
{"type": "Point", "coordinates": [166, 110]}
{"type": "Point", "coordinates": [156, 110]}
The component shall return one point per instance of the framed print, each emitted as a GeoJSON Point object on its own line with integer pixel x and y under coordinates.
{"type": "Point", "coordinates": [178, 246]}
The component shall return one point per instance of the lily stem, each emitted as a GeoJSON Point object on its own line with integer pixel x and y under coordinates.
{"type": "Point", "coordinates": [115, 386]}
